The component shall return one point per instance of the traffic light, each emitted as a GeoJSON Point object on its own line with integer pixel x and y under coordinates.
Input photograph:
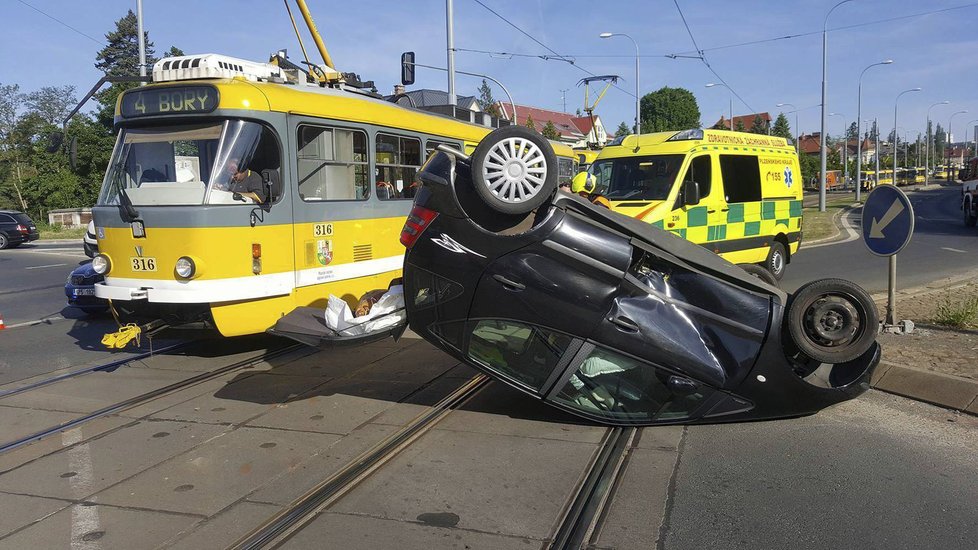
{"type": "Point", "coordinates": [407, 68]}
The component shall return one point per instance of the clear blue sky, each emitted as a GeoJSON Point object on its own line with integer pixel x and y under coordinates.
{"type": "Point", "coordinates": [936, 52]}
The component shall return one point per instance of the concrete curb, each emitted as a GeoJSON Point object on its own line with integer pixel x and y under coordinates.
{"type": "Point", "coordinates": [58, 241]}
{"type": "Point", "coordinates": [944, 390]}
{"type": "Point", "coordinates": [837, 236]}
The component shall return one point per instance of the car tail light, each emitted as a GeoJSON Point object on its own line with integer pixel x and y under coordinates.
{"type": "Point", "coordinates": [23, 229]}
{"type": "Point", "coordinates": [417, 221]}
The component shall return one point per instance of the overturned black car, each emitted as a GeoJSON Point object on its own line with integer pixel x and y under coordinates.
{"type": "Point", "coordinates": [608, 317]}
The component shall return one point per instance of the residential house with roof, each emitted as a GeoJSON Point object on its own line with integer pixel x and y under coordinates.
{"type": "Point", "coordinates": [746, 120]}
{"type": "Point", "coordinates": [574, 130]}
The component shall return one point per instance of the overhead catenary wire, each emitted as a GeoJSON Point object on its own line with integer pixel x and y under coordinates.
{"type": "Point", "coordinates": [564, 58]}
{"type": "Point", "coordinates": [49, 16]}
{"type": "Point", "coordinates": [707, 63]}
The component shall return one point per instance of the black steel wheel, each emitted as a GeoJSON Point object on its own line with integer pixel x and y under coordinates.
{"type": "Point", "coordinates": [514, 170]}
{"type": "Point", "coordinates": [777, 260]}
{"type": "Point", "coordinates": [761, 273]}
{"type": "Point", "coordinates": [832, 320]}
{"type": "Point", "coordinates": [970, 218]}
{"type": "Point", "coordinates": [4, 241]}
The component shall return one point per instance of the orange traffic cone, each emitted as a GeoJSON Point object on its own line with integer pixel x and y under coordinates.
{"type": "Point", "coordinates": [2, 326]}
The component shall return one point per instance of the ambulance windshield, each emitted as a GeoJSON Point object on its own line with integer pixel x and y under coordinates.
{"type": "Point", "coordinates": [645, 178]}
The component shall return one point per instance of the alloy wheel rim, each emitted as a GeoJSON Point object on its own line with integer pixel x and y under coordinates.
{"type": "Point", "coordinates": [515, 170]}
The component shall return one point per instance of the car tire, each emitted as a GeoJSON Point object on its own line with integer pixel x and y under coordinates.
{"type": "Point", "coordinates": [514, 170]}
{"type": "Point", "coordinates": [970, 218]}
{"type": "Point", "coordinates": [777, 260]}
{"type": "Point", "coordinates": [4, 241]}
{"type": "Point", "coordinates": [761, 273]}
{"type": "Point", "coordinates": [832, 320]}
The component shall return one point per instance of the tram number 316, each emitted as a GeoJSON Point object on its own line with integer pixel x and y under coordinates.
{"type": "Point", "coordinates": [143, 264]}
{"type": "Point", "coordinates": [322, 230]}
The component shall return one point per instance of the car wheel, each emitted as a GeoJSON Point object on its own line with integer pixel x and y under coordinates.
{"type": "Point", "coordinates": [761, 273]}
{"type": "Point", "coordinates": [4, 241]}
{"type": "Point", "coordinates": [514, 170]}
{"type": "Point", "coordinates": [777, 259]}
{"type": "Point", "coordinates": [970, 218]}
{"type": "Point", "coordinates": [832, 320]}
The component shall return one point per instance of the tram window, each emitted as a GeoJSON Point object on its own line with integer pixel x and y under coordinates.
{"type": "Point", "coordinates": [332, 164]}
{"type": "Point", "coordinates": [431, 144]}
{"type": "Point", "coordinates": [398, 162]}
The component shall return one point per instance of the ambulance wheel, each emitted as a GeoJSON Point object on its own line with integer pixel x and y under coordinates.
{"type": "Point", "coordinates": [761, 273]}
{"type": "Point", "coordinates": [777, 260]}
{"type": "Point", "coordinates": [514, 170]}
{"type": "Point", "coordinates": [832, 320]}
{"type": "Point", "coordinates": [970, 218]}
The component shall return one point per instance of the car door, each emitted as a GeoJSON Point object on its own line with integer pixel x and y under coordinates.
{"type": "Point", "coordinates": [535, 305]}
{"type": "Point", "coordinates": [672, 337]}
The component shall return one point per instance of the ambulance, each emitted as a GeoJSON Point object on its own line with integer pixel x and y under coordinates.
{"type": "Point", "coordinates": [735, 193]}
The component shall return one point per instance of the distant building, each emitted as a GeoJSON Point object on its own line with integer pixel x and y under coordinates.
{"type": "Point", "coordinates": [746, 120]}
{"type": "Point", "coordinates": [432, 98]}
{"type": "Point", "coordinates": [574, 130]}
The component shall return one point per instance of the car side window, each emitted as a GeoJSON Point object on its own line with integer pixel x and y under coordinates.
{"type": "Point", "coordinates": [741, 178]}
{"type": "Point", "coordinates": [523, 352]}
{"type": "Point", "coordinates": [6, 219]}
{"type": "Point", "coordinates": [616, 387]}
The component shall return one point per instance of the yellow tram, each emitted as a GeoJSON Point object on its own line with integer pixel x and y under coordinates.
{"type": "Point", "coordinates": [238, 191]}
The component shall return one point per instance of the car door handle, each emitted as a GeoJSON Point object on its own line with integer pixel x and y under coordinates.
{"type": "Point", "coordinates": [624, 324]}
{"type": "Point", "coordinates": [512, 285]}
{"type": "Point", "coordinates": [711, 211]}
{"type": "Point", "coordinates": [724, 210]}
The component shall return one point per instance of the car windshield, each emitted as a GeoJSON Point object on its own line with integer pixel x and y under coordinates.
{"type": "Point", "coordinates": [189, 164]}
{"type": "Point", "coordinates": [645, 178]}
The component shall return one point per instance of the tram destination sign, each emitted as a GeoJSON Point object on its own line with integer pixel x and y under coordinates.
{"type": "Point", "coordinates": [180, 100]}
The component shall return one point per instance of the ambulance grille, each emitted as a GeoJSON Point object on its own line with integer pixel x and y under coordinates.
{"type": "Point", "coordinates": [363, 252]}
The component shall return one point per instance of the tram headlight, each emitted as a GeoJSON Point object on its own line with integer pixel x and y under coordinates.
{"type": "Point", "coordinates": [101, 264]}
{"type": "Point", "coordinates": [185, 267]}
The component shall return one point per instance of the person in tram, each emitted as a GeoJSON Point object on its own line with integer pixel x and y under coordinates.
{"type": "Point", "coordinates": [246, 182]}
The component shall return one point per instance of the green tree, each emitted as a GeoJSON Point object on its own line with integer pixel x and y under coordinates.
{"type": "Point", "coordinates": [669, 109]}
{"type": "Point", "coordinates": [781, 128]}
{"type": "Point", "coordinates": [529, 123]}
{"type": "Point", "coordinates": [486, 101]}
{"type": "Point", "coordinates": [852, 132]}
{"type": "Point", "coordinates": [739, 126]}
{"type": "Point", "coordinates": [758, 126]}
{"type": "Point", "coordinates": [623, 129]}
{"type": "Point", "coordinates": [120, 57]}
{"type": "Point", "coordinates": [11, 165]}
{"type": "Point", "coordinates": [52, 103]}
{"type": "Point", "coordinates": [810, 167]}
{"type": "Point", "coordinates": [550, 131]}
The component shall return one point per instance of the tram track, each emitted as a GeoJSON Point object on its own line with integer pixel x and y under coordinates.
{"type": "Point", "coordinates": [111, 365]}
{"type": "Point", "coordinates": [584, 512]}
{"type": "Point", "coordinates": [279, 528]}
{"type": "Point", "coordinates": [138, 399]}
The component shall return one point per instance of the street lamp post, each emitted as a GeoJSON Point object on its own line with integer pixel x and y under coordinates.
{"type": "Point", "coordinates": [859, 133]}
{"type": "Point", "coordinates": [927, 145]}
{"type": "Point", "coordinates": [796, 120]}
{"type": "Point", "coordinates": [821, 186]}
{"type": "Point", "coordinates": [896, 139]}
{"type": "Point", "coordinates": [947, 145]}
{"type": "Point", "coordinates": [638, 110]}
{"type": "Point", "coordinates": [845, 148]}
{"type": "Point", "coordinates": [729, 96]}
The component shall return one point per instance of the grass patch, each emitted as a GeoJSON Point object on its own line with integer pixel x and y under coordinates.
{"type": "Point", "coordinates": [817, 225]}
{"type": "Point", "coordinates": [961, 313]}
{"type": "Point", "coordinates": [58, 231]}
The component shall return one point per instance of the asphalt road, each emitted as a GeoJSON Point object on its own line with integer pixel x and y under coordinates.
{"type": "Point", "coordinates": [32, 279]}
{"type": "Point", "coordinates": [941, 246]}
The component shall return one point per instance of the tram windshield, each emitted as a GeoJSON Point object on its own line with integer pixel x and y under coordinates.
{"type": "Point", "coordinates": [225, 162]}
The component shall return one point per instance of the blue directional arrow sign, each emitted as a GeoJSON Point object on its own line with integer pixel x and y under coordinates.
{"type": "Point", "coordinates": [887, 220]}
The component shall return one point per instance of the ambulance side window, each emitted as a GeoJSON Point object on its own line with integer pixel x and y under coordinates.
{"type": "Point", "coordinates": [700, 171]}
{"type": "Point", "coordinates": [741, 178]}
